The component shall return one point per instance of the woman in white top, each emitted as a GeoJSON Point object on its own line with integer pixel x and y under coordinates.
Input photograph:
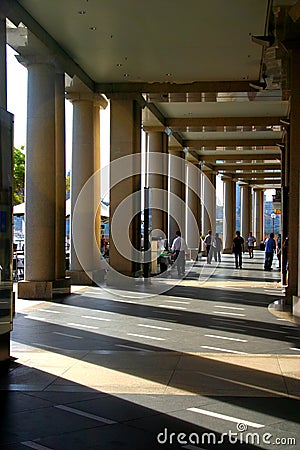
{"type": "Point", "coordinates": [251, 240]}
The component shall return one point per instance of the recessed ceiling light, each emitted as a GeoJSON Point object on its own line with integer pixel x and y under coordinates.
{"type": "Point", "coordinates": [168, 74]}
{"type": "Point", "coordinates": [93, 28]}
{"type": "Point", "coordinates": [126, 75]}
{"type": "Point", "coordinates": [81, 12]}
{"type": "Point", "coordinates": [119, 65]}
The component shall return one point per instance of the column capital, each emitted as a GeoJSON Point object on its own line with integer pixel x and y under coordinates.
{"type": "Point", "coordinates": [35, 59]}
{"type": "Point", "coordinates": [96, 99]}
{"type": "Point", "coordinates": [77, 91]}
{"type": "Point", "coordinates": [154, 129]}
{"type": "Point", "coordinates": [226, 179]}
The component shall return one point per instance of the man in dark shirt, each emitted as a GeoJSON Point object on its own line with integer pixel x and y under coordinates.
{"type": "Point", "coordinates": [270, 247]}
{"type": "Point", "coordinates": [238, 249]}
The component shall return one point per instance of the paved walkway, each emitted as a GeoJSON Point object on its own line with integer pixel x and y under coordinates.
{"type": "Point", "coordinates": [116, 369]}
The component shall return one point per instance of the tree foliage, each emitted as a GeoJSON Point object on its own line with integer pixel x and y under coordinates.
{"type": "Point", "coordinates": [19, 175]}
{"type": "Point", "coordinates": [68, 185]}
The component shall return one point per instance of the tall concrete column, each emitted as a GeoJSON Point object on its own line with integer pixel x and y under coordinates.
{"type": "Point", "coordinates": [285, 168]}
{"type": "Point", "coordinates": [246, 208]}
{"type": "Point", "coordinates": [82, 256]}
{"type": "Point", "coordinates": [40, 185]}
{"type": "Point", "coordinates": [293, 290]}
{"type": "Point", "coordinates": [97, 196]}
{"type": "Point", "coordinates": [229, 213]}
{"type": "Point", "coordinates": [60, 167]}
{"type": "Point", "coordinates": [3, 72]}
{"type": "Point", "coordinates": [125, 188]}
{"type": "Point", "coordinates": [208, 208]}
{"type": "Point", "coordinates": [177, 187]}
{"type": "Point", "coordinates": [193, 218]}
{"type": "Point", "coordinates": [85, 185]}
{"type": "Point", "coordinates": [258, 215]}
{"type": "Point", "coordinates": [5, 204]}
{"type": "Point", "coordinates": [158, 180]}
{"type": "Point", "coordinates": [209, 202]}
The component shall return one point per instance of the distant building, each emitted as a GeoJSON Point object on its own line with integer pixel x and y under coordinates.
{"type": "Point", "coordinates": [271, 225]}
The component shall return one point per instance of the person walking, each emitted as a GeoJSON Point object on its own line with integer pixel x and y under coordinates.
{"type": "Point", "coordinates": [217, 246]}
{"type": "Point", "coordinates": [278, 251]}
{"type": "Point", "coordinates": [179, 248]}
{"type": "Point", "coordinates": [285, 263]}
{"type": "Point", "coordinates": [270, 247]}
{"type": "Point", "coordinates": [238, 249]}
{"type": "Point", "coordinates": [207, 243]}
{"type": "Point", "coordinates": [251, 240]}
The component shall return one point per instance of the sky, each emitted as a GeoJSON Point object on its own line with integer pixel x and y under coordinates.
{"type": "Point", "coordinates": [17, 96]}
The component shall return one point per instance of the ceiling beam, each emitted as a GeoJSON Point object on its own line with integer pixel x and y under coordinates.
{"type": "Point", "coordinates": [257, 176]}
{"type": "Point", "coordinates": [167, 87]}
{"type": "Point", "coordinates": [156, 112]}
{"type": "Point", "coordinates": [250, 166]}
{"type": "Point", "coordinates": [178, 138]}
{"type": "Point", "coordinates": [199, 122]}
{"type": "Point", "coordinates": [239, 157]}
{"type": "Point", "coordinates": [192, 157]}
{"type": "Point", "coordinates": [263, 182]}
{"type": "Point", "coordinates": [198, 143]}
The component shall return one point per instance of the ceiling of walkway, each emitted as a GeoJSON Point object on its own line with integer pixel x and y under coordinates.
{"type": "Point", "coordinates": [207, 80]}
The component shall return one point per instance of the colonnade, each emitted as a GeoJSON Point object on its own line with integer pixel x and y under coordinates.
{"type": "Point", "coordinates": [45, 180]}
{"type": "Point", "coordinates": [177, 186]}
{"type": "Point", "coordinates": [45, 183]}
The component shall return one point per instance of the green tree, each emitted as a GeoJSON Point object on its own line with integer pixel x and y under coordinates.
{"type": "Point", "coordinates": [68, 185]}
{"type": "Point", "coordinates": [19, 175]}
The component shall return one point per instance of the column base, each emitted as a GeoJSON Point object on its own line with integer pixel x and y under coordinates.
{"type": "Point", "coordinates": [82, 278]}
{"type": "Point", "coordinates": [62, 286]}
{"type": "Point", "coordinates": [296, 306]}
{"type": "Point", "coordinates": [35, 290]}
{"type": "Point", "coordinates": [227, 251]}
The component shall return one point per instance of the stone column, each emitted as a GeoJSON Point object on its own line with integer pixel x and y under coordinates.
{"type": "Point", "coordinates": [246, 208]}
{"type": "Point", "coordinates": [158, 180]}
{"type": "Point", "coordinates": [208, 209]}
{"type": "Point", "coordinates": [125, 257]}
{"type": "Point", "coordinates": [193, 218]}
{"type": "Point", "coordinates": [229, 213]}
{"type": "Point", "coordinates": [5, 204]}
{"type": "Point", "coordinates": [208, 202]}
{"type": "Point", "coordinates": [177, 188]}
{"type": "Point", "coordinates": [293, 289]}
{"type": "Point", "coordinates": [97, 195]}
{"type": "Point", "coordinates": [40, 186]}
{"type": "Point", "coordinates": [258, 216]}
{"type": "Point", "coordinates": [85, 187]}
{"type": "Point", "coordinates": [60, 166]}
{"type": "Point", "coordinates": [3, 74]}
{"type": "Point", "coordinates": [285, 168]}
